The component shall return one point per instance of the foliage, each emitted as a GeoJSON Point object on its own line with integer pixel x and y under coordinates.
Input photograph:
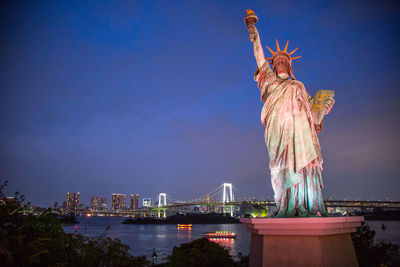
{"type": "Point", "coordinates": [243, 260]}
{"type": "Point", "coordinates": [260, 213]}
{"type": "Point", "coordinates": [374, 254]}
{"type": "Point", "coordinates": [27, 240]}
{"type": "Point", "coordinates": [204, 253]}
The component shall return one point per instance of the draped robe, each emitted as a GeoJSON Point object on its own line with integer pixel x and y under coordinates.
{"type": "Point", "coordinates": [293, 146]}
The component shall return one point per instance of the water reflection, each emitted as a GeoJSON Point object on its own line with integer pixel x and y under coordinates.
{"type": "Point", "coordinates": [228, 243]}
{"type": "Point", "coordinates": [184, 233]}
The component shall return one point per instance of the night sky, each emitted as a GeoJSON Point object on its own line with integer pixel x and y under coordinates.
{"type": "Point", "coordinates": [147, 97]}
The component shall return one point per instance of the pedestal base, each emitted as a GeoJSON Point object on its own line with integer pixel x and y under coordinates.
{"type": "Point", "coordinates": [324, 241]}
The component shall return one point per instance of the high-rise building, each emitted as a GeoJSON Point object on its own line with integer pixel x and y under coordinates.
{"type": "Point", "coordinates": [118, 202]}
{"type": "Point", "coordinates": [103, 204]}
{"type": "Point", "coordinates": [95, 203]}
{"type": "Point", "coordinates": [146, 202]}
{"type": "Point", "coordinates": [134, 202]}
{"type": "Point", "coordinates": [72, 201]}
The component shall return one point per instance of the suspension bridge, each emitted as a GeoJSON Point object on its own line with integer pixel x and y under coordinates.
{"type": "Point", "coordinates": [228, 196]}
{"type": "Point", "coordinates": [213, 198]}
{"type": "Point", "coordinates": [225, 193]}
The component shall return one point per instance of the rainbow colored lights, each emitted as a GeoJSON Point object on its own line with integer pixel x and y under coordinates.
{"type": "Point", "coordinates": [220, 235]}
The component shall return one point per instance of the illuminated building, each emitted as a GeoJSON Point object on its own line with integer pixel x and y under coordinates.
{"type": "Point", "coordinates": [95, 203]}
{"type": "Point", "coordinates": [72, 201]}
{"type": "Point", "coordinates": [118, 202]}
{"type": "Point", "coordinates": [4, 200]}
{"type": "Point", "coordinates": [146, 202]}
{"type": "Point", "coordinates": [134, 202]}
{"type": "Point", "coordinates": [103, 204]}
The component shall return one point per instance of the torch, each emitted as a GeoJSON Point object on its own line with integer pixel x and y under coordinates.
{"type": "Point", "coordinates": [250, 19]}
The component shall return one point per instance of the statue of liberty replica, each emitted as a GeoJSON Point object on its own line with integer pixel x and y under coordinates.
{"type": "Point", "coordinates": [292, 120]}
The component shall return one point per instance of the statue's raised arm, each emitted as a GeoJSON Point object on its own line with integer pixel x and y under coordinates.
{"type": "Point", "coordinates": [258, 51]}
{"type": "Point", "coordinates": [254, 36]}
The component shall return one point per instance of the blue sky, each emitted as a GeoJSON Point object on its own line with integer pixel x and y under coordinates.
{"type": "Point", "coordinates": [158, 96]}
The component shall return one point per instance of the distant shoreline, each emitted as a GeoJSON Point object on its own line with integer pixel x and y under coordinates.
{"type": "Point", "coordinates": [211, 218]}
{"type": "Point", "coordinates": [220, 219]}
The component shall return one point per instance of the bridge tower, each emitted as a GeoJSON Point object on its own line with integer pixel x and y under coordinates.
{"type": "Point", "coordinates": [227, 186]}
{"type": "Point", "coordinates": [208, 203]}
{"type": "Point", "coordinates": [227, 196]}
{"type": "Point", "coordinates": [162, 201]}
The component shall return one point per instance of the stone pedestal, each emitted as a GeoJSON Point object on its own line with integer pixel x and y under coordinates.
{"type": "Point", "coordinates": [322, 241]}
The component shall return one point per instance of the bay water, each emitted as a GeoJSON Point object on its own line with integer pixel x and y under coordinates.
{"type": "Point", "coordinates": [143, 238]}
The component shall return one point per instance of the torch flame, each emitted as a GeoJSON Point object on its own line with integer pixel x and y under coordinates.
{"type": "Point", "coordinates": [249, 11]}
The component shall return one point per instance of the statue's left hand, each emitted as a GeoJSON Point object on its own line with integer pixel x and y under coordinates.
{"type": "Point", "coordinates": [328, 105]}
{"type": "Point", "coordinates": [318, 127]}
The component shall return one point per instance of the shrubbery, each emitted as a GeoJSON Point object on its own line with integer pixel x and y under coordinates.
{"type": "Point", "coordinates": [370, 253]}
{"type": "Point", "coordinates": [204, 253]}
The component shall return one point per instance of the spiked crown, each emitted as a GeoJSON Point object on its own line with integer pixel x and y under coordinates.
{"type": "Point", "coordinates": [284, 53]}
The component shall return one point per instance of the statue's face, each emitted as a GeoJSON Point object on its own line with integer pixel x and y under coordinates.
{"type": "Point", "coordinates": [282, 65]}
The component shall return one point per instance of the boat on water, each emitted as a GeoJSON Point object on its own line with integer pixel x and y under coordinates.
{"type": "Point", "coordinates": [220, 234]}
{"type": "Point", "coordinates": [184, 226]}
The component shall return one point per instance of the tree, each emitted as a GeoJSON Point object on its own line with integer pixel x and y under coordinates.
{"type": "Point", "coordinates": [202, 253]}
{"type": "Point", "coordinates": [374, 254]}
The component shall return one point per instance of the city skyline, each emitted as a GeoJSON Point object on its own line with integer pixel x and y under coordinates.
{"type": "Point", "coordinates": [101, 201]}
{"type": "Point", "coordinates": [148, 97]}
